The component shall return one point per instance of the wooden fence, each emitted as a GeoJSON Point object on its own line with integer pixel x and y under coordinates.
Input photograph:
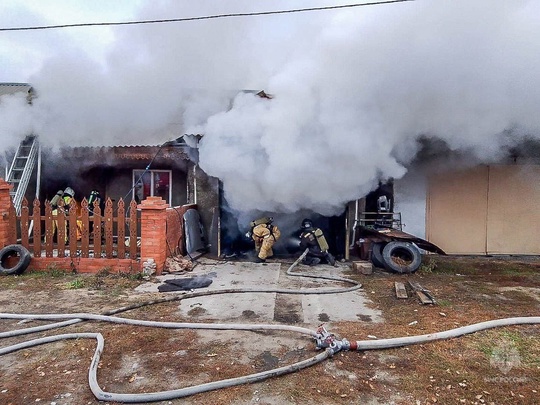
{"type": "Point", "coordinates": [83, 231]}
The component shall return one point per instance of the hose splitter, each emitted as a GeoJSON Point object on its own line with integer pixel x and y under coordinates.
{"type": "Point", "coordinates": [326, 340]}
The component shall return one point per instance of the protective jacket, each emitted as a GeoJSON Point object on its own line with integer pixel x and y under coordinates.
{"type": "Point", "coordinates": [314, 240]}
{"type": "Point", "coordinates": [264, 236]}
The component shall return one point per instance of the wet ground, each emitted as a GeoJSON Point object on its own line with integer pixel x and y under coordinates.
{"type": "Point", "coordinates": [309, 309]}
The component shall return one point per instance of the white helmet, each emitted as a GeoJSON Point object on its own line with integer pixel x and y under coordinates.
{"type": "Point", "coordinates": [69, 191]}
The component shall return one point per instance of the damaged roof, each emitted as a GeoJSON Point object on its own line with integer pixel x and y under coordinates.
{"type": "Point", "coordinates": [12, 88]}
{"type": "Point", "coordinates": [187, 140]}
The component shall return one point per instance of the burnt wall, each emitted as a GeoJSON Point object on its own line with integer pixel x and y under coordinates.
{"type": "Point", "coordinates": [203, 190]}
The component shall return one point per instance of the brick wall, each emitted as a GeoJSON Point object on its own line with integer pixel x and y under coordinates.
{"type": "Point", "coordinates": [154, 231]}
{"type": "Point", "coordinates": [85, 265]}
{"type": "Point", "coordinates": [5, 202]}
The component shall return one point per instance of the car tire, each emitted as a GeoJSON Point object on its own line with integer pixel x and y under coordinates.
{"type": "Point", "coordinates": [14, 251]}
{"type": "Point", "coordinates": [376, 255]}
{"type": "Point", "coordinates": [401, 257]}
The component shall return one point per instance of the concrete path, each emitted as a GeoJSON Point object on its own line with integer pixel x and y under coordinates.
{"type": "Point", "coordinates": [310, 310]}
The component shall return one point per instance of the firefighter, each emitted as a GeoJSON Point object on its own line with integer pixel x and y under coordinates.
{"type": "Point", "coordinates": [264, 233]}
{"type": "Point", "coordinates": [66, 196]}
{"type": "Point", "coordinates": [95, 197]}
{"type": "Point", "coordinates": [312, 238]}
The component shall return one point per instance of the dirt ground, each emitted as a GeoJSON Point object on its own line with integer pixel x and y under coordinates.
{"type": "Point", "coordinates": [496, 366]}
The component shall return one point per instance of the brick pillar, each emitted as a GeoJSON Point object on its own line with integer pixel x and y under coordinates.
{"type": "Point", "coordinates": [153, 231]}
{"type": "Point", "coordinates": [5, 202]}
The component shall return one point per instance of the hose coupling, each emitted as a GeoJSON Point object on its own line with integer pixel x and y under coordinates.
{"type": "Point", "coordinates": [326, 339]}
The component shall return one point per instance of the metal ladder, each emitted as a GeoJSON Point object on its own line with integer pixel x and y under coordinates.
{"type": "Point", "coordinates": [21, 169]}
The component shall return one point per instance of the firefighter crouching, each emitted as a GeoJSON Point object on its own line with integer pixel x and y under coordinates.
{"type": "Point", "coordinates": [312, 238]}
{"type": "Point", "coordinates": [265, 234]}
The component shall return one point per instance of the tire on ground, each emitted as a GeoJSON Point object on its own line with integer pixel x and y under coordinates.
{"type": "Point", "coordinates": [401, 257]}
{"type": "Point", "coordinates": [18, 251]}
{"type": "Point", "coordinates": [376, 254]}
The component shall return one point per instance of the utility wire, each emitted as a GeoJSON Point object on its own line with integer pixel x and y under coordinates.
{"type": "Point", "coordinates": [208, 17]}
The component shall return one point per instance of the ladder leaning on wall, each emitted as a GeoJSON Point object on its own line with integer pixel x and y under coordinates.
{"type": "Point", "coordinates": [27, 155]}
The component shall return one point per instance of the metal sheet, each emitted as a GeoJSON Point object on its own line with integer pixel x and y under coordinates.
{"type": "Point", "coordinates": [390, 234]}
{"type": "Point", "coordinates": [193, 230]}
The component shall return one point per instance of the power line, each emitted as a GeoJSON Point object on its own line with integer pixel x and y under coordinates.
{"type": "Point", "coordinates": [208, 17]}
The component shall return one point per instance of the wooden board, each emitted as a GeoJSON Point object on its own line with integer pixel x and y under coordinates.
{"type": "Point", "coordinates": [423, 294]}
{"type": "Point", "coordinates": [401, 291]}
{"type": "Point", "coordinates": [424, 299]}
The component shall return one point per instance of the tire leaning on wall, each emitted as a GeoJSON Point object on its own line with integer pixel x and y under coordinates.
{"type": "Point", "coordinates": [18, 251]}
{"type": "Point", "coordinates": [376, 255]}
{"type": "Point", "coordinates": [401, 257]}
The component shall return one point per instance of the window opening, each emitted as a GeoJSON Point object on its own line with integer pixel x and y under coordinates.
{"type": "Point", "coordinates": [153, 183]}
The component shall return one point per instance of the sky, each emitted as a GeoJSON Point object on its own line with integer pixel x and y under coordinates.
{"type": "Point", "coordinates": [354, 90]}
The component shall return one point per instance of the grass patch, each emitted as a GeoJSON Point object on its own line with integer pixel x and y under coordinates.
{"type": "Point", "coordinates": [444, 303]}
{"type": "Point", "coordinates": [428, 266]}
{"type": "Point", "coordinates": [76, 284]}
{"type": "Point", "coordinates": [112, 283]}
{"type": "Point", "coordinates": [131, 276]}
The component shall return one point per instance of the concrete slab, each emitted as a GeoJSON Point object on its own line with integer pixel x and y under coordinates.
{"type": "Point", "coordinates": [310, 310]}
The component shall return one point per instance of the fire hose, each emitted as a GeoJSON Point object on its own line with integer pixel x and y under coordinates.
{"type": "Point", "coordinates": [324, 340]}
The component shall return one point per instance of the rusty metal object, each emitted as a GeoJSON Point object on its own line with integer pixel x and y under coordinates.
{"type": "Point", "coordinates": [383, 234]}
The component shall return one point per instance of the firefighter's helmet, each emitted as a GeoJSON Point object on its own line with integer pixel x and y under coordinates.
{"type": "Point", "coordinates": [307, 223]}
{"type": "Point", "coordinates": [69, 192]}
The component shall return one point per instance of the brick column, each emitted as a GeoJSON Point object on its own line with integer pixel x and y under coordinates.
{"type": "Point", "coordinates": [5, 201]}
{"type": "Point", "coordinates": [153, 231]}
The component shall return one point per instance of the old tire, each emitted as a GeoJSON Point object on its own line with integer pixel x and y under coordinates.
{"type": "Point", "coordinates": [18, 251]}
{"type": "Point", "coordinates": [401, 257]}
{"type": "Point", "coordinates": [376, 255]}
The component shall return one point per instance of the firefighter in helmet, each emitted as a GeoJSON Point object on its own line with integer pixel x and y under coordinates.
{"type": "Point", "coordinates": [264, 233]}
{"type": "Point", "coordinates": [312, 238]}
{"type": "Point", "coordinates": [66, 196]}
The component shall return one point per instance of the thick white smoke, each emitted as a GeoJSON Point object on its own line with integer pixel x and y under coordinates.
{"type": "Point", "coordinates": [352, 91]}
{"type": "Point", "coordinates": [350, 106]}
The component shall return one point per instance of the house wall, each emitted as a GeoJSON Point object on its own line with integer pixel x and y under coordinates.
{"type": "Point", "coordinates": [204, 191]}
{"type": "Point", "coordinates": [485, 210]}
{"type": "Point", "coordinates": [410, 201]}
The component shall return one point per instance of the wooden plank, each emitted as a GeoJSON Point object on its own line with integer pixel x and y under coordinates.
{"type": "Point", "coordinates": [423, 294]}
{"type": "Point", "coordinates": [108, 228]}
{"type": "Point", "coordinates": [72, 229]}
{"type": "Point", "coordinates": [51, 224]}
{"type": "Point", "coordinates": [121, 229]}
{"type": "Point", "coordinates": [97, 231]}
{"type": "Point", "coordinates": [415, 286]}
{"type": "Point", "coordinates": [424, 299]}
{"type": "Point", "coordinates": [36, 215]}
{"type": "Point", "coordinates": [401, 291]}
{"type": "Point", "coordinates": [133, 248]}
{"type": "Point", "coordinates": [24, 223]}
{"type": "Point", "coordinates": [85, 229]}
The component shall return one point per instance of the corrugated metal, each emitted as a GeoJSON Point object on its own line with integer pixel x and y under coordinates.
{"type": "Point", "coordinates": [178, 142]}
{"type": "Point", "coordinates": [12, 88]}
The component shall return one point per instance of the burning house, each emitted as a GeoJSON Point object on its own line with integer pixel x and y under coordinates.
{"type": "Point", "coordinates": [462, 211]}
